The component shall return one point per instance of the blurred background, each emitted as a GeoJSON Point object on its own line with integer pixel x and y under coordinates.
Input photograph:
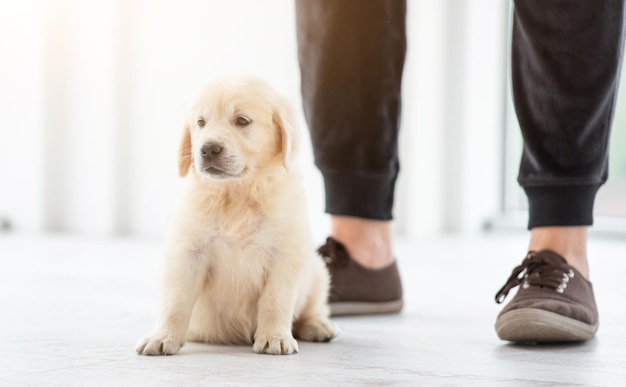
{"type": "Point", "coordinates": [93, 94]}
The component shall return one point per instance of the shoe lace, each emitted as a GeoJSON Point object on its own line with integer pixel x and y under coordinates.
{"type": "Point", "coordinates": [543, 268]}
{"type": "Point", "coordinates": [334, 253]}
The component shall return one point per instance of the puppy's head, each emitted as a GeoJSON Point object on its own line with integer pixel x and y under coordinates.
{"type": "Point", "coordinates": [237, 127]}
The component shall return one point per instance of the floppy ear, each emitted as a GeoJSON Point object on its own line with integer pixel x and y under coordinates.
{"type": "Point", "coordinates": [284, 122]}
{"type": "Point", "coordinates": [185, 157]}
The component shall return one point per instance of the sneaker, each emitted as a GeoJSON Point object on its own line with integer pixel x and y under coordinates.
{"type": "Point", "coordinates": [554, 303]}
{"type": "Point", "coordinates": [358, 290]}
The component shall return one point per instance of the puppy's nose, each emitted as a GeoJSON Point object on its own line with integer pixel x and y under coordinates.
{"type": "Point", "coordinates": [210, 150]}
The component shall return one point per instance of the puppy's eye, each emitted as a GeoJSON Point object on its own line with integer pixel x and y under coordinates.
{"type": "Point", "coordinates": [201, 123]}
{"type": "Point", "coordinates": [243, 121]}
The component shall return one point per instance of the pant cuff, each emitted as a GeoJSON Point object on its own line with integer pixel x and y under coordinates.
{"type": "Point", "coordinates": [561, 205]}
{"type": "Point", "coordinates": [363, 196]}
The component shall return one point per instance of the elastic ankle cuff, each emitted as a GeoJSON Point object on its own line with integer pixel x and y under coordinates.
{"type": "Point", "coordinates": [561, 205]}
{"type": "Point", "coordinates": [363, 196]}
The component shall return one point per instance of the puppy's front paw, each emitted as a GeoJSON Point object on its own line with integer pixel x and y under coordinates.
{"type": "Point", "coordinates": [275, 344]}
{"type": "Point", "coordinates": [158, 345]}
{"type": "Point", "coordinates": [316, 330]}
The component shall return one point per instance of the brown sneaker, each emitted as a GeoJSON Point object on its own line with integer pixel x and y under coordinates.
{"type": "Point", "coordinates": [554, 303]}
{"type": "Point", "coordinates": [357, 290]}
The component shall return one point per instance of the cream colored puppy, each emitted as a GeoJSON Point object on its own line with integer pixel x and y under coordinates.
{"type": "Point", "coordinates": [239, 262]}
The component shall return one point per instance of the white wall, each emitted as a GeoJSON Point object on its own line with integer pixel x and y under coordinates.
{"type": "Point", "coordinates": [453, 115]}
{"type": "Point", "coordinates": [21, 112]}
{"type": "Point", "coordinates": [93, 94]}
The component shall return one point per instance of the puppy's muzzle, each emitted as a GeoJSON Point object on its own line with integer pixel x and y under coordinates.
{"type": "Point", "coordinates": [218, 163]}
{"type": "Point", "coordinates": [210, 152]}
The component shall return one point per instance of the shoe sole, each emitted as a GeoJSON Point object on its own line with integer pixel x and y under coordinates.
{"type": "Point", "coordinates": [357, 308]}
{"type": "Point", "coordinates": [540, 326]}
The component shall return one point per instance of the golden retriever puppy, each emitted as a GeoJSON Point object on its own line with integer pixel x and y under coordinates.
{"type": "Point", "coordinates": [239, 263]}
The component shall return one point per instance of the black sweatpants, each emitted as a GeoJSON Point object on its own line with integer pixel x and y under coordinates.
{"type": "Point", "coordinates": [566, 57]}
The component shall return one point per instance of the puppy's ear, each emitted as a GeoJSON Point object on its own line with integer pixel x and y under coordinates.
{"type": "Point", "coordinates": [284, 122]}
{"type": "Point", "coordinates": [185, 157]}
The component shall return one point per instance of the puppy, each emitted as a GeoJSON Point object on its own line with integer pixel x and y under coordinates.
{"type": "Point", "coordinates": [239, 263]}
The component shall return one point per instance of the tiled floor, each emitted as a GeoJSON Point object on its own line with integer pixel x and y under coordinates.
{"type": "Point", "coordinates": [72, 309]}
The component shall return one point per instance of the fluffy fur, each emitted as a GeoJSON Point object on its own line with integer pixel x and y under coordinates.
{"type": "Point", "coordinates": [239, 262]}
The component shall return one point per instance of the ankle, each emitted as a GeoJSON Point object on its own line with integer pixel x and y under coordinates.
{"type": "Point", "coordinates": [368, 241]}
{"type": "Point", "coordinates": [569, 242]}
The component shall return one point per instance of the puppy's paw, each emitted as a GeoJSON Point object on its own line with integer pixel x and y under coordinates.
{"type": "Point", "coordinates": [316, 330]}
{"type": "Point", "coordinates": [159, 345]}
{"type": "Point", "coordinates": [275, 344]}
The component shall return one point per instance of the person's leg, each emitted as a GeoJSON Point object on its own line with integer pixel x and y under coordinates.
{"type": "Point", "coordinates": [368, 241]}
{"type": "Point", "coordinates": [351, 55]}
{"type": "Point", "coordinates": [566, 65]}
{"type": "Point", "coordinates": [568, 241]}
{"type": "Point", "coordinates": [566, 58]}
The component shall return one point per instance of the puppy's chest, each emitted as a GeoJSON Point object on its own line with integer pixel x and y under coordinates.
{"type": "Point", "coordinates": [237, 234]}
{"type": "Point", "coordinates": [239, 247]}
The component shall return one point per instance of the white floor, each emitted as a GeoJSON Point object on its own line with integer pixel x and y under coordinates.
{"type": "Point", "coordinates": [72, 309]}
